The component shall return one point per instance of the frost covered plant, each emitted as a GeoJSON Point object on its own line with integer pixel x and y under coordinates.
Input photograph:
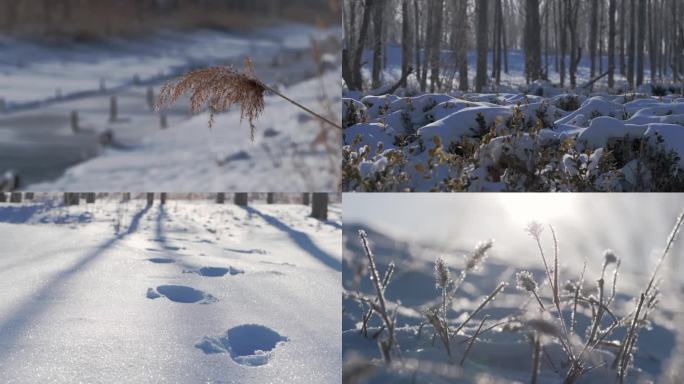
{"type": "Point", "coordinates": [443, 281]}
{"type": "Point", "coordinates": [378, 305]}
{"type": "Point", "coordinates": [578, 352]}
{"type": "Point", "coordinates": [474, 260]}
{"type": "Point", "coordinates": [222, 87]}
{"type": "Point", "coordinates": [525, 282]}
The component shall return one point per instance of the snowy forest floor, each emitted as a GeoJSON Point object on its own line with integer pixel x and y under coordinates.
{"type": "Point", "coordinates": [187, 292]}
{"type": "Point", "coordinates": [41, 85]}
{"type": "Point", "coordinates": [513, 137]}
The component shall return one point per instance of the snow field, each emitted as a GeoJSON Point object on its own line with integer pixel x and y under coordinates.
{"type": "Point", "coordinates": [96, 301]}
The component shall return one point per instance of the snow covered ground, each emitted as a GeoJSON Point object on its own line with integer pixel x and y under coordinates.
{"type": "Point", "coordinates": [515, 138]}
{"type": "Point", "coordinates": [37, 140]}
{"type": "Point", "coordinates": [33, 72]}
{"type": "Point", "coordinates": [187, 292]}
{"type": "Point", "coordinates": [413, 230]}
{"type": "Point", "coordinates": [188, 156]}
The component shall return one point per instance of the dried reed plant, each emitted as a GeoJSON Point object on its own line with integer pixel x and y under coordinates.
{"type": "Point", "coordinates": [222, 87]}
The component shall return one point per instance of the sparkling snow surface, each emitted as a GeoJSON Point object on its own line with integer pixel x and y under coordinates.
{"type": "Point", "coordinates": [77, 302]}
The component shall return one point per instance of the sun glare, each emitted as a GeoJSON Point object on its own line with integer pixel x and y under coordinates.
{"type": "Point", "coordinates": [542, 207]}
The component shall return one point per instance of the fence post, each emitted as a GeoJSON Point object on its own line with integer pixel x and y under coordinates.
{"type": "Point", "coordinates": [150, 199]}
{"type": "Point", "coordinates": [163, 124]}
{"type": "Point", "coordinates": [220, 198]}
{"type": "Point", "coordinates": [74, 122]}
{"type": "Point", "coordinates": [15, 197]}
{"type": "Point", "coordinates": [113, 109]}
{"type": "Point", "coordinates": [319, 206]}
{"type": "Point", "coordinates": [162, 198]}
{"type": "Point", "coordinates": [149, 96]}
{"type": "Point", "coordinates": [71, 198]}
{"type": "Point", "coordinates": [241, 199]}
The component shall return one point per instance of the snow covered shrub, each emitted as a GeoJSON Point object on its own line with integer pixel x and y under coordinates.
{"type": "Point", "coordinates": [631, 142]}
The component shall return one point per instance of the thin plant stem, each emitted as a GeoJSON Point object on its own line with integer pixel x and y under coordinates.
{"type": "Point", "coordinates": [472, 340]}
{"type": "Point", "coordinates": [295, 103]}
{"type": "Point", "coordinates": [487, 300]}
{"type": "Point", "coordinates": [535, 359]}
{"type": "Point", "coordinates": [375, 277]}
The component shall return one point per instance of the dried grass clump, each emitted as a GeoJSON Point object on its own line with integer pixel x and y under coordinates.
{"type": "Point", "coordinates": [220, 88]}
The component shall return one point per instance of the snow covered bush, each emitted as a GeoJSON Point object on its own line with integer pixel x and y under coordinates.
{"type": "Point", "coordinates": [513, 142]}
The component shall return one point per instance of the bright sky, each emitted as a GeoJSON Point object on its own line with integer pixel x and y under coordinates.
{"type": "Point", "coordinates": [634, 225]}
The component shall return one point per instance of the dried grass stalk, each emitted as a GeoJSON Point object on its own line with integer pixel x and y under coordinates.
{"type": "Point", "coordinates": [220, 88]}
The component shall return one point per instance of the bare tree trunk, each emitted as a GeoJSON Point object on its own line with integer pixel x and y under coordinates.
{"type": "Point", "coordinates": [575, 48]}
{"type": "Point", "coordinates": [405, 41]}
{"type": "Point", "coordinates": [652, 56]}
{"type": "Point", "coordinates": [427, 46]}
{"type": "Point", "coordinates": [270, 198]}
{"type": "Point", "coordinates": [640, 43]}
{"type": "Point", "coordinates": [546, 39]}
{"type": "Point", "coordinates": [623, 37]}
{"type": "Point", "coordinates": [499, 40]}
{"type": "Point", "coordinates": [461, 29]}
{"type": "Point", "coordinates": [319, 206]}
{"type": "Point", "coordinates": [563, 40]}
{"type": "Point", "coordinates": [611, 43]}
{"type": "Point", "coordinates": [593, 34]}
{"type": "Point", "coordinates": [306, 197]}
{"type": "Point", "coordinates": [356, 77]}
{"type": "Point", "coordinates": [505, 42]}
{"type": "Point", "coordinates": [601, 31]}
{"type": "Point", "coordinates": [481, 14]}
{"type": "Point", "coordinates": [416, 13]}
{"type": "Point", "coordinates": [631, 46]}
{"type": "Point", "coordinates": [241, 199]}
{"type": "Point", "coordinates": [377, 43]}
{"type": "Point", "coordinates": [557, 27]}
{"type": "Point", "coordinates": [435, 41]}
{"type": "Point", "coordinates": [532, 41]}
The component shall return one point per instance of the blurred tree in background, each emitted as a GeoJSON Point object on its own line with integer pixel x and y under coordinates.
{"type": "Point", "coordinates": [91, 19]}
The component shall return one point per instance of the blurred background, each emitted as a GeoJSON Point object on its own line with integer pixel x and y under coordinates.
{"type": "Point", "coordinates": [634, 225]}
{"type": "Point", "coordinates": [79, 78]}
{"type": "Point", "coordinates": [84, 20]}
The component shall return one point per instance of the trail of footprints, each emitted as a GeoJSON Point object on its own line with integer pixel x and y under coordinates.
{"type": "Point", "coordinates": [247, 344]}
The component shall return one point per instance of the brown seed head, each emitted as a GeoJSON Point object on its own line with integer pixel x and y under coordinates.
{"type": "Point", "coordinates": [219, 88]}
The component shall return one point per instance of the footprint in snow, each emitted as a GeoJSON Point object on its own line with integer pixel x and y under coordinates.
{"type": "Point", "coordinates": [160, 260]}
{"type": "Point", "coordinates": [215, 271]}
{"type": "Point", "coordinates": [180, 294]}
{"type": "Point", "coordinates": [247, 344]}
